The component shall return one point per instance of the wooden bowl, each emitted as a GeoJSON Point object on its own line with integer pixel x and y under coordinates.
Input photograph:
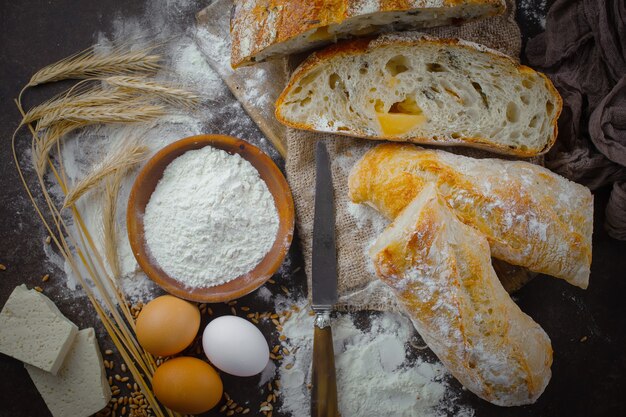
{"type": "Point", "coordinates": [147, 181]}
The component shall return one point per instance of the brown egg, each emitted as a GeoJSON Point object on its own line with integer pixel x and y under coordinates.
{"type": "Point", "coordinates": [187, 385]}
{"type": "Point", "coordinates": [167, 325]}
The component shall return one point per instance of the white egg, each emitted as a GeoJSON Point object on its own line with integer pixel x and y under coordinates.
{"type": "Point", "coordinates": [235, 346]}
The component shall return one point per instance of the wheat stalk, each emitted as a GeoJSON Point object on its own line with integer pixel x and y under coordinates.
{"type": "Point", "coordinates": [89, 98]}
{"type": "Point", "coordinates": [169, 93]}
{"type": "Point", "coordinates": [136, 110]}
{"type": "Point", "coordinates": [84, 65]}
{"type": "Point", "coordinates": [140, 363]}
{"type": "Point", "coordinates": [89, 63]}
{"type": "Point", "coordinates": [109, 221]}
{"type": "Point", "coordinates": [123, 159]}
{"type": "Point", "coordinates": [60, 124]}
{"type": "Point", "coordinates": [47, 140]}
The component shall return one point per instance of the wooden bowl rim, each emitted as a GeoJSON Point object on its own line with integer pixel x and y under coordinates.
{"type": "Point", "coordinates": [144, 186]}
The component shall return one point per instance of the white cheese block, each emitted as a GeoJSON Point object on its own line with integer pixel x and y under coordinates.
{"type": "Point", "coordinates": [81, 388]}
{"type": "Point", "coordinates": [33, 330]}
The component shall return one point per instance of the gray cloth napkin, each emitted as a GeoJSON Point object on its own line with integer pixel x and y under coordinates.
{"type": "Point", "coordinates": [583, 50]}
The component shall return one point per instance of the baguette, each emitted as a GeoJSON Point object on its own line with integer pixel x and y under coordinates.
{"type": "Point", "coordinates": [261, 29]}
{"type": "Point", "coordinates": [531, 217]}
{"type": "Point", "coordinates": [415, 88]}
{"type": "Point", "coordinates": [440, 270]}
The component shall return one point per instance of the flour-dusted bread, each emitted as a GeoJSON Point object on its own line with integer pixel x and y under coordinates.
{"type": "Point", "coordinates": [530, 216]}
{"type": "Point", "coordinates": [261, 29]}
{"type": "Point", "coordinates": [415, 88]}
{"type": "Point", "coordinates": [441, 271]}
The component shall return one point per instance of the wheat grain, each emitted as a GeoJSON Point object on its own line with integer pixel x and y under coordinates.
{"type": "Point", "coordinates": [125, 157]}
{"type": "Point", "coordinates": [89, 63]}
{"type": "Point", "coordinates": [169, 93]}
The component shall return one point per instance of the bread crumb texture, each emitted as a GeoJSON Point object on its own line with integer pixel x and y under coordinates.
{"type": "Point", "coordinates": [415, 88]}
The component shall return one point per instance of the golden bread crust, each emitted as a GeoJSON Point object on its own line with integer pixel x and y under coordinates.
{"type": "Point", "coordinates": [530, 216]}
{"type": "Point", "coordinates": [440, 269]}
{"type": "Point", "coordinates": [258, 24]}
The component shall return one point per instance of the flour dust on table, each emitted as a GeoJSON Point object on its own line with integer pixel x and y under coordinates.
{"type": "Point", "coordinates": [185, 65]}
{"type": "Point", "coordinates": [210, 219]}
{"type": "Point", "coordinates": [375, 374]}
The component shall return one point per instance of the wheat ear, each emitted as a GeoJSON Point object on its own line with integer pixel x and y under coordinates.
{"type": "Point", "coordinates": [72, 118]}
{"type": "Point", "coordinates": [121, 160]}
{"type": "Point", "coordinates": [169, 93]}
{"type": "Point", "coordinates": [109, 221]}
{"type": "Point", "coordinates": [136, 110]}
{"type": "Point", "coordinates": [89, 98]}
{"type": "Point", "coordinates": [89, 63]}
{"type": "Point", "coordinates": [47, 140]}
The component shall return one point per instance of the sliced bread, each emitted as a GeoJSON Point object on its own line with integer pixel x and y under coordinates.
{"type": "Point", "coordinates": [262, 29]}
{"type": "Point", "coordinates": [416, 88]}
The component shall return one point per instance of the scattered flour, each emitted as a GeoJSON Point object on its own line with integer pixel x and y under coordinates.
{"type": "Point", "coordinates": [534, 10]}
{"type": "Point", "coordinates": [367, 216]}
{"type": "Point", "coordinates": [210, 219]}
{"type": "Point", "coordinates": [361, 7]}
{"type": "Point", "coordinates": [375, 376]}
{"type": "Point", "coordinates": [264, 294]}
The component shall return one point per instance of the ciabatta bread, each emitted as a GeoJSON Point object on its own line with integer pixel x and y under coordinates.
{"type": "Point", "coordinates": [530, 216]}
{"type": "Point", "coordinates": [441, 271]}
{"type": "Point", "coordinates": [261, 29]}
{"type": "Point", "coordinates": [415, 88]}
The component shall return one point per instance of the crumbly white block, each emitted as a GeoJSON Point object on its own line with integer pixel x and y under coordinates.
{"type": "Point", "coordinates": [81, 388]}
{"type": "Point", "coordinates": [33, 330]}
{"type": "Point", "coordinates": [415, 88]}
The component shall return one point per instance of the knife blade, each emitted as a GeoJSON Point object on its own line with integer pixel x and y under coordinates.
{"type": "Point", "coordinates": [324, 258]}
{"type": "Point", "coordinates": [323, 289]}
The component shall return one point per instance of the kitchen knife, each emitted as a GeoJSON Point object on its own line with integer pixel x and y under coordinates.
{"type": "Point", "coordinates": [323, 290]}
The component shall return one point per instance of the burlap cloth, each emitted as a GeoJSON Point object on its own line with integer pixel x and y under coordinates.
{"type": "Point", "coordinates": [358, 287]}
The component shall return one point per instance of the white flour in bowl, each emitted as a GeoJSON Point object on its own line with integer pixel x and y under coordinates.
{"type": "Point", "coordinates": [210, 219]}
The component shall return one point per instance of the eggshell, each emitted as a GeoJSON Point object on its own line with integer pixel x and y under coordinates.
{"type": "Point", "coordinates": [235, 346]}
{"type": "Point", "coordinates": [187, 385]}
{"type": "Point", "coordinates": [167, 325]}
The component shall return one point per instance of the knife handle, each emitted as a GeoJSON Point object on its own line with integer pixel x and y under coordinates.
{"type": "Point", "coordinates": [323, 381]}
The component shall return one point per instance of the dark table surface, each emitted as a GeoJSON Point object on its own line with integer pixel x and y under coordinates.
{"type": "Point", "coordinates": [587, 328]}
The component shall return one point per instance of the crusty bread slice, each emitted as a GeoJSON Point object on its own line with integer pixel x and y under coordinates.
{"type": "Point", "coordinates": [530, 216]}
{"type": "Point", "coordinates": [441, 271]}
{"type": "Point", "coordinates": [262, 29]}
{"type": "Point", "coordinates": [415, 88]}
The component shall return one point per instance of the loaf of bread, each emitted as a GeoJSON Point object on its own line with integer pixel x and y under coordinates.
{"type": "Point", "coordinates": [415, 88]}
{"type": "Point", "coordinates": [530, 216]}
{"type": "Point", "coordinates": [440, 269]}
{"type": "Point", "coordinates": [261, 29]}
